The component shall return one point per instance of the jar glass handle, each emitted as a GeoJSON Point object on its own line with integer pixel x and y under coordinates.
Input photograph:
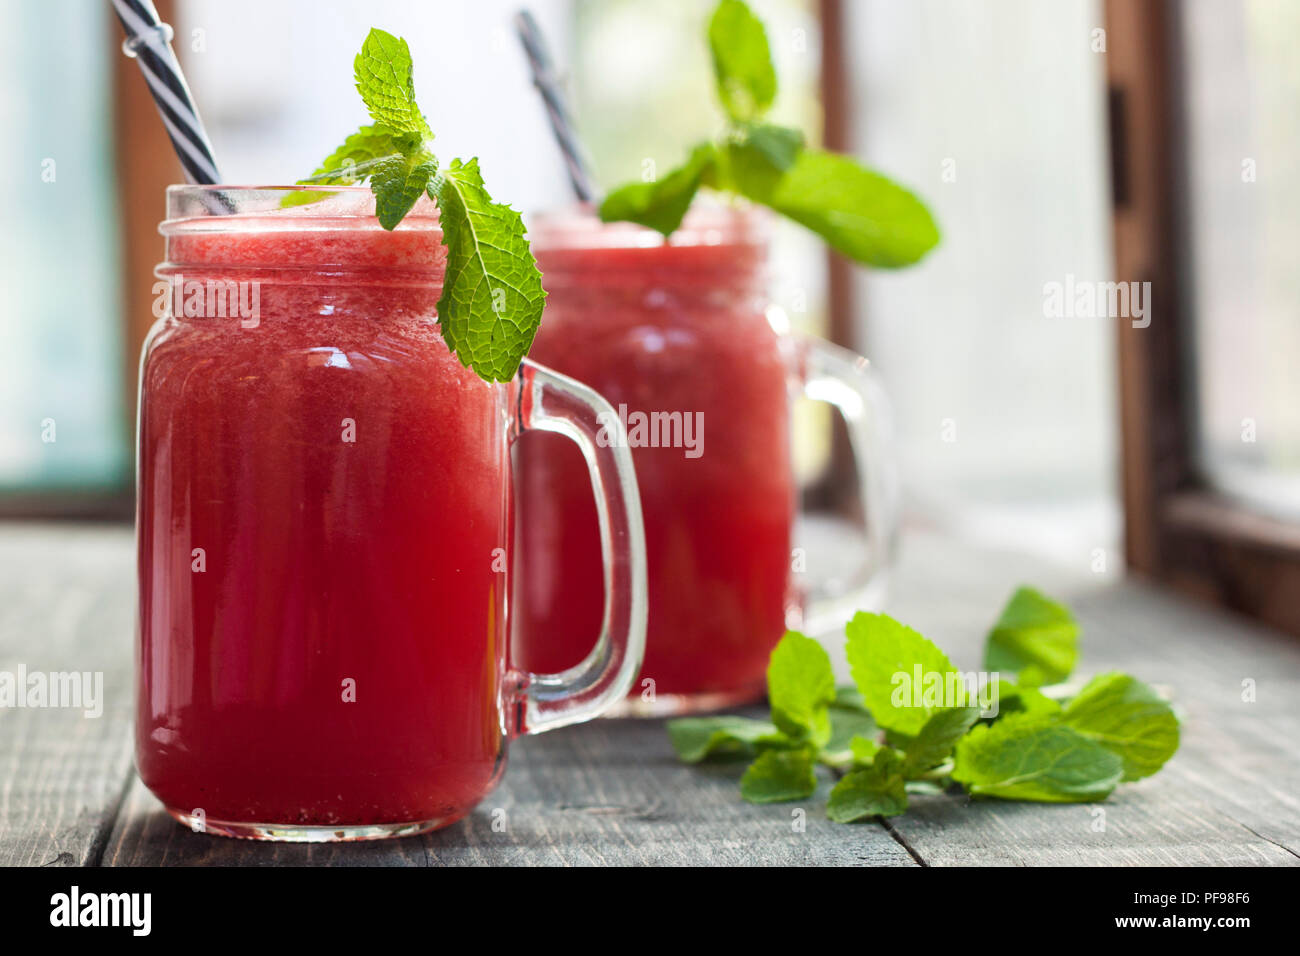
{"type": "Point", "coordinates": [544, 400]}
{"type": "Point", "coordinates": [845, 380]}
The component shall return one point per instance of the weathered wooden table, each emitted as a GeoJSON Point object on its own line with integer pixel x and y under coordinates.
{"type": "Point", "coordinates": [611, 792]}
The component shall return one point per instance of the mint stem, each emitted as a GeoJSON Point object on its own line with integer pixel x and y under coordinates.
{"type": "Point", "coordinates": [939, 773]}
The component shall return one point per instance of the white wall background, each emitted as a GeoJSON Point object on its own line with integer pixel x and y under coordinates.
{"type": "Point", "coordinates": [274, 84]}
{"type": "Point", "coordinates": [1013, 96]}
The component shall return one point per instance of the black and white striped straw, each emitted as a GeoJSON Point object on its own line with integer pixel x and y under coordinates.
{"type": "Point", "coordinates": [557, 109]}
{"type": "Point", "coordinates": [148, 41]}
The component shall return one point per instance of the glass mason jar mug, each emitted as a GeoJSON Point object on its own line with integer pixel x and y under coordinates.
{"type": "Point", "coordinates": [682, 338]}
{"type": "Point", "coordinates": [324, 530]}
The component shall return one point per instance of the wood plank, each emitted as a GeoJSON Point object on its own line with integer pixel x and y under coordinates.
{"type": "Point", "coordinates": [1159, 822]}
{"type": "Point", "coordinates": [609, 793]}
{"type": "Point", "coordinates": [67, 599]}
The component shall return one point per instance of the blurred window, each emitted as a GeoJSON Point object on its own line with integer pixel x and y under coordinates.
{"type": "Point", "coordinates": [62, 388]}
{"type": "Point", "coordinates": [996, 114]}
{"type": "Point", "coordinates": [1243, 100]}
{"type": "Point", "coordinates": [1203, 99]}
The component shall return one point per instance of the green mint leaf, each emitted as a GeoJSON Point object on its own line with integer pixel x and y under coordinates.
{"type": "Point", "coordinates": [849, 719]}
{"type": "Point", "coordinates": [742, 61]}
{"type": "Point", "coordinates": [926, 788]}
{"type": "Point", "coordinates": [860, 213]}
{"type": "Point", "coordinates": [1013, 699]}
{"type": "Point", "coordinates": [698, 738]}
{"type": "Point", "coordinates": [779, 775]}
{"type": "Point", "coordinates": [849, 697]}
{"type": "Point", "coordinates": [778, 146]}
{"type": "Point", "coordinates": [1128, 718]}
{"type": "Point", "coordinates": [899, 741]}
{"type": "Point", "coordinates": [800, 687]}
{"type": "Point", "coordinates": [353, 161]}
{"type": "Point", "coordinates": [1026, 757]}
{"type": "Point", "coordinates": [864, 749]}
{"type": "Point", "coordinates": [886, 660]}
{"type": "Point", "coordinates": [492, 295]}
{"type": "Point", "coordinates": [386, 83]}
{"type": "Point", "coordinates": [397, 183]}
{"type": "Point", "coordinates": [936, 739]}
{"type": "Point", "coordinates": [662, 204]}
{"type": "Point", "coordinates": [1035, 638]}
{"type": "Point", "coordinates": [303, 197]}
{"type": "Point", "coordinates": [752, 161]}
{"type": "Point", "coordinates": [874, 791]}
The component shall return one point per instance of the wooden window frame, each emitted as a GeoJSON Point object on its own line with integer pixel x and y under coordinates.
{"type": "Point", "coordinates": [835, 490]}
{"type": "Point", "coordinates": [1179, 531]}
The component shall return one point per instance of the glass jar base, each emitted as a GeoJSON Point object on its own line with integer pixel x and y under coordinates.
{"type": "Point", "coordinates": [676, 705]}
{"type": "Point", "coordinates": [292, 833]}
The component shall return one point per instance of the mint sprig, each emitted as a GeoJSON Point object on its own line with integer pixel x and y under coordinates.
{"type": "Point", "coordinates": [911, 725]}
{"type": "Point", "coordinates": [492, 293]}
{"type": "Point", "coordinates": [860, 213]}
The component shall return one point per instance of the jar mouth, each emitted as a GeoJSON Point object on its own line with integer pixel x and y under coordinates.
{"type": "Point", "coordinates": [706, 224]}
{"type": "Point", "coordinates": [313, 230]}
{"type": "Point", "coordinates": [717, 247]}
{"type": "Point", "coordinates": [221, 207]}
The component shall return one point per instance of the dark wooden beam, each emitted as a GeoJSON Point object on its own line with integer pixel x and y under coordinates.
{"type": "Point", "coordinates": [1155, 397]}
{"type": "Point", "coordinates": [836, 491]}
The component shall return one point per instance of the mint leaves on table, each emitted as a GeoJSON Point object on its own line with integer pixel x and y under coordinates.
{"type": "Point", "coordinates": [860, 213]}
{"type": "Point", "coordinates": [912, 723]}
{"type": "Point", "coordinates": [800, 688]}
{"type": "Point", "coordinates": [879, 649]}
{"type": "Point", "coordinates": [780, 775]}
{"type": "Point", "coordinates": [1128, 718]}
{"type": "Point", "coordinates": [1024, 757]}
{"type": "Point", "coordinates": [492, 293]}
{"type": "Point", "coordinates": [876, 790]}
{"type": "Point", "coordinates": [696, 738]}
{"type": "Point", "coordinates": [1035, 640]}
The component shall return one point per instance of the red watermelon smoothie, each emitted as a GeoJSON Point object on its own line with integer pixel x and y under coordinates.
{"type": "Point", "coordinates": [319, 492]}
{"type": "Point", "coordinates": [655, 327]}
